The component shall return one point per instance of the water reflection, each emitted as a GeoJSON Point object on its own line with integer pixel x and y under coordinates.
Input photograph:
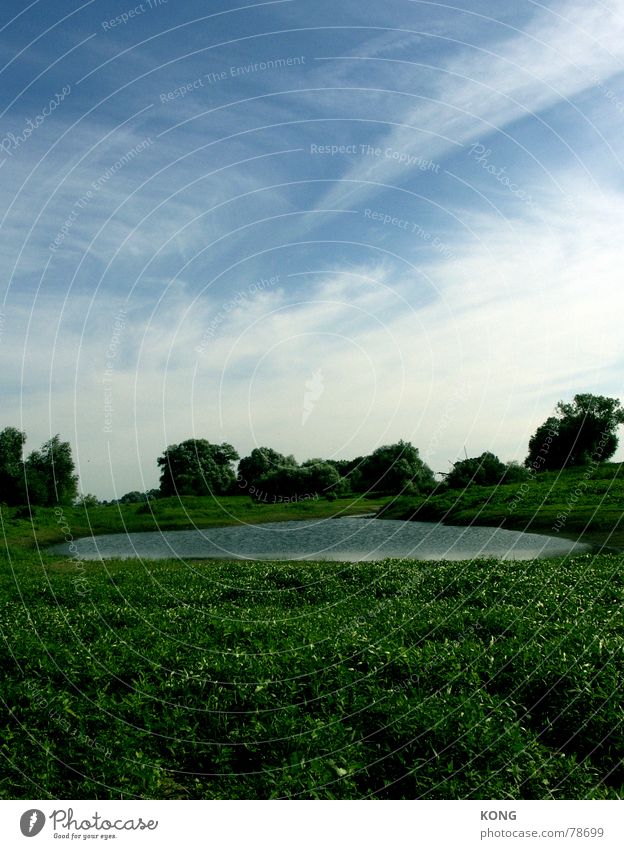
{"type": "Point", "coordinates": [352, 539]}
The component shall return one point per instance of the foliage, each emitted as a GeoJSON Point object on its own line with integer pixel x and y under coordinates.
{"type": "Point", "coordinates": [261, 462]}
{"type": "Point", "coordinates": [485, 470]}
{"type": "Point", "coordinates": [173, 513]}
{"type": "Point", "coordinates": [579, 503]}
{"type": "Point", "coordinates": [394, 680]}
{"type": "Point", "coordinates": [325, 479]}
{"type": "Point", "coordinates": [314, 478]}
{"type": "Point", "coordinates": [394, 469]}
{"type": "Point", "coordinates": [351, 471]}
{"type": "Point", "coordinates": [136, 497]}
{"type": "Point", "coordinates": [11, 465]}
{"type": "Point", "coordinates": [270, 476]}
{"type": "Point", "coordinates": [283, 483]}
{"type": "Point", "coordinates": [197, 467]}
{"type": "Point", "coordinates": [581, 432]}
{"type": "Point", "coordinates": [45, 477]}
{"type": "Point", "coordinates": [389, 469]}
{"type": "Point", "coordinates": [87, 499]}
{"type": "Point", "coordinates": [49, 473]}
{"type": "Point", "coordinates": [515, 473]}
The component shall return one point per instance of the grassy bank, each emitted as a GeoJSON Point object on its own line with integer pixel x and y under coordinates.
{"type": "Point", "coordinates": [482, 679]}
{"type": "Point", "coordinates": [303, 680]}
{"type": "Point", "coordinates": [28, 528]}
{"type": "Point", "coordinates": [574, 504]}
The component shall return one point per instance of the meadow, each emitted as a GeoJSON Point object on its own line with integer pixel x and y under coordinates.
{"type": "Point", "coordinates": [31, 527]}
{"type": "Point", "coordinates": [225, 680]}
{"type": "Point", "coordinates": [584, 504]}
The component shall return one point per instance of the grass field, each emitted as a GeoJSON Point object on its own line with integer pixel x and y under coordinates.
{"type": "Point", "coordinates": [573, 504]}
{"type": "Point", "coordinates": [28, 528]}
{"type": "Point", "coordinates": [481, 679]}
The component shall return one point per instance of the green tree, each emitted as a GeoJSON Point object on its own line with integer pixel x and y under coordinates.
{"type": "Point", "coordinates": [325, 479]}
{"type": "Point", "coordinates": [485, 470]}
{"type": "Point", "coordinates": [50, 477]}
{"type": "Point", "coordinates": [87, 499]}
{"type": "Point", "coordinates": [581, 431]}
{"type": "Point", "coordinates": [12, 465]}
{"type": "Point", "coordinates": [351, 471]}
{"type": "Point", "coordinates": [396, 469]}
{"type": "Point", "coordinates": [283, 483]}
{"type": "Point", "coordinates": [515, 472]}
{"type": "Point", "coordinates": [197, 467]}
{"type": "Point", "coordinates": [136, 497]}
{"type": "Point", "coordinates": [261, 462]}
{"type": "Point", "coordinates": [284, 479]}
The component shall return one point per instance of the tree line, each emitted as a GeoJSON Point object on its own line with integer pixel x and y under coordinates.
{"type": "Point", "coordinates": [197, 467]}
{"type": "Point", "coordinates": [45, 477]}
{"type": "Point", "coordinates": [580, 432]}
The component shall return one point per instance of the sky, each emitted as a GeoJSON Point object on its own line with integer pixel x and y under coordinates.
{"type": "Point", "coordinates": [318, 227]}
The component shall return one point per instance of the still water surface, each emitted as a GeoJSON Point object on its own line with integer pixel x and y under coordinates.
{"type": "Point", "coordinates": [351, 539]}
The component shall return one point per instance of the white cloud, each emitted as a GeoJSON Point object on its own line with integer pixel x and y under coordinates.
{"type": "Point", "coordinates": [479, 90]}
{"type": "Point", "coordinates": [523, 318]}
{"type": "Point", "coordinates": [473, 351]}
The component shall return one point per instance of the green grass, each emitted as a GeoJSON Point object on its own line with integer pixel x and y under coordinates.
{"type": "Point", "coordinates": [590, 502]}
{"type": "Point", "coordinates": [313, 680]}
{"type": "Point", "coordinates": [220, 680]}
{"type": "Point", "coordinates": [43, 526]}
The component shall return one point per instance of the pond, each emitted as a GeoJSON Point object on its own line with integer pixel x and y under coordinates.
{"type": "Point", "coordinates": [349, 539]}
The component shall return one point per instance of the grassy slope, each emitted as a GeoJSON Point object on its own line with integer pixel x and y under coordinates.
{"type": "Point", "coordinates": [303, 680]}
{"type": "Point", "coordinates": [230, 680]}
{"type": "Point", "coordinates": [593, 512]}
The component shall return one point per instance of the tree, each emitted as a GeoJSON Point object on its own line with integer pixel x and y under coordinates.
{"type": "Point", "coordinates": [485, 470]}
{"type": "Point", "coordinates": [49, 473]}
{"type": "Point", "coordinates": [197, 467]}
{"type": "Point", "coordinates": [515, 473]}
{"type": "Point", "coordinates": [269, 475]}
{"type": "Point", "coordinates": [282, 484]}
{"type": "Point", "coordinates": [136, 497]}
{"type": "Point", "coordinates": [11, 465]}
{"type": "Point", "coordinates": [261, 462]}
{"type": "Point", "coordinates": [325, 479]}
{"type": "Point", "coordinates": [582, 431]}
{"type": "Point", "coordinates": [396, 469]}
{"type": "Point", "coordinates": [87, 499]}
{"type": "Point", "coordinates": [351, 471]}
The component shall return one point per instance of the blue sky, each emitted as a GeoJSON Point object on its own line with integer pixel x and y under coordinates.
{"type": "Point", "coordinates": [320, 227]}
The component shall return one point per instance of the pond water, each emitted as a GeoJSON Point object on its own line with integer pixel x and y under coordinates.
{"type": "Point", "coordinates": [350, 539]}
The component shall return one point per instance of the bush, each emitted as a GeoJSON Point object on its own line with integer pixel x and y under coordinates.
{"type": "Point", "coordinates": [485, 470]}
{"type": "Point", "coordinates": [581, 432]}
{"type": "Point", "coordinates": [394, 469]}
{"type": "Point", "coordinates": [197, 467]}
